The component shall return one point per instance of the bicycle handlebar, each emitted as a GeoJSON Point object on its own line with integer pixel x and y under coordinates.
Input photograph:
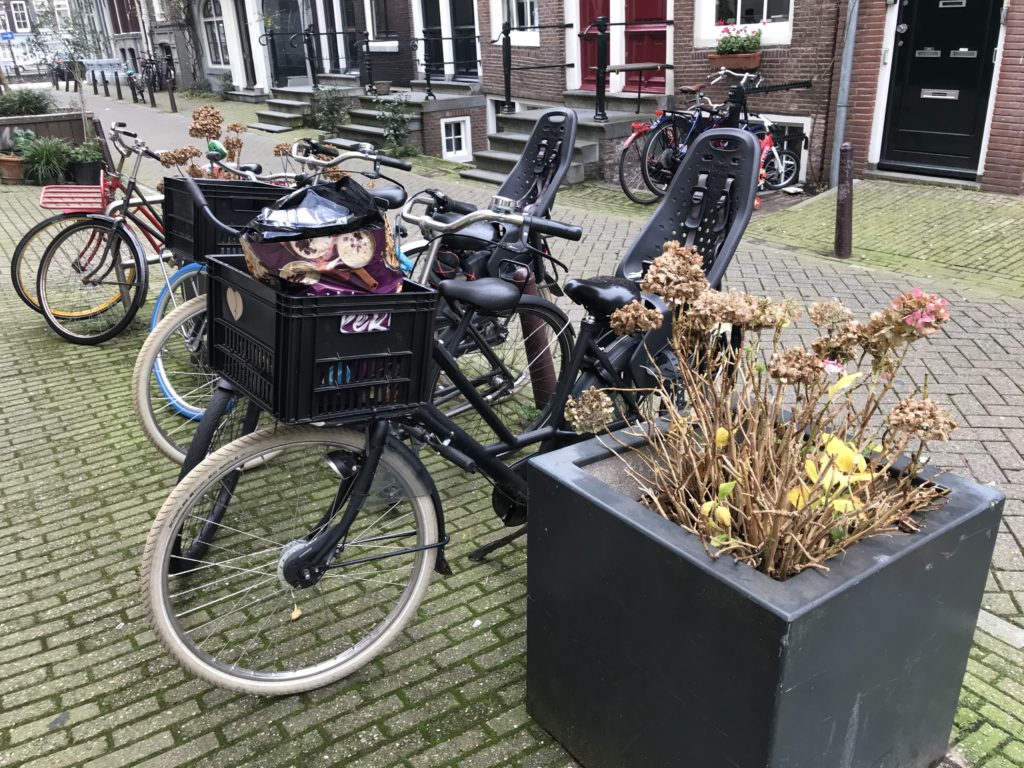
{"type": "Point", "coordinates": [792, 86]}
{"type": "Point", "coordinates": [200, 200]}
{"type": "Point", "coordinates": [486, 216]}
{"type": "Point", "coordinates": [339, 157]}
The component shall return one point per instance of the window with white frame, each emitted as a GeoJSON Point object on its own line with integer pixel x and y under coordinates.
{"type": "Point", "coordinates": [773, 17]}
{"type": "Point", "coordinates": [21, 21]}
{"type": "Point", "coordinates": [158, 10]}
{"type": "Point", "coordinates": [519, 13]}
{"type": "Point", "coordinates": [456, 139]}
{"type": "Point", "coordinates": [383, 23]}
{"type": "Point", "coordinates": [216, 39]}
{"type": "Point", "coordinates": [3, 20]}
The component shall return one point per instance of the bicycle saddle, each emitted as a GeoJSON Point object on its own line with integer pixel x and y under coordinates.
{"type": "Point", "coordinates": [389, 197]}
{"type": "Point", "coordinates": [601, 296]}
{"type": "Point", "coordinates": [469, 238]}
{"type": "Point", "coordinates": [487, 293]}
{"type": "Point", "coordinates": [698, 88]}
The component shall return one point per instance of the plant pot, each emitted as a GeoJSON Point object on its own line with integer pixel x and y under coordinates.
{"type": "Point", "coordinates": [12, 169]}
{"type": "Point", "coordinates": [742, 62]}
{"type": "Point", "coordinates": [644, 651]}
{"type": "Point", "coordinates": [84, 172]}
{"type": "Point", "coordinates": [383, 87]}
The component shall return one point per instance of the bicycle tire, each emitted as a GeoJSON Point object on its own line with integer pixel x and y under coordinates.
{"type": "Point", "coordinates": [780, 178]}
{"type": "Point", "coordinates": [227, 417]}
{"type": "Point", "coordinates": [631, 174]}
{"type": "Point", "coordinates": [182, 286]}
{"type": "Point", "coordinates": [661, 157]}
{"type": "Point", "coordinates": [500, 347]}
{"type": "Point", "coordinates": [172, 383]}
{"type": "Point", "coordinates": [28, 253]}
{"type": "Point", "coordinates": [108, 263]}
{"type": "Point", "coordinates": [280, 639]}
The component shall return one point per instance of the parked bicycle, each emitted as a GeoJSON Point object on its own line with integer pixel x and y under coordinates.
{"type": "Point", "coordinates": [291, 557]}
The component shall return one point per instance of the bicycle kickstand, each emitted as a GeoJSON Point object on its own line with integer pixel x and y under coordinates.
{"type": "Point", "coordinates": [480, 554]}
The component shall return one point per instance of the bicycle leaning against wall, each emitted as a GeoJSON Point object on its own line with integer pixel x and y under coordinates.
{"type": "Point", "coordinates": [293, 556]}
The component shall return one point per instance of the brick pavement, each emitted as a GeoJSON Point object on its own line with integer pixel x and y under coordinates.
{"type": "Point", "coordinates": [85, 683]}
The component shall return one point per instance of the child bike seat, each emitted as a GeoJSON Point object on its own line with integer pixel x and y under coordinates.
{"type": "Point", "coordinates": [707, 204]}
{"type": "Point", "coordinates": [601, 296]}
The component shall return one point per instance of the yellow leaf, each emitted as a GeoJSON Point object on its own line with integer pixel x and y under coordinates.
{"type": "Point", "coordinates": [842, 506]}
{"type": "Point", "coordinates": [722, 436]}
{"type": "Point", "coordinates": [812, 470]}
{"type": "Point", "coordinates": [797, 497]}
{"type": "Point", "coordinates": [861, 477]}
{"type": "Point", "coordinates": [706, 507]}
{"type": "Point", "coordinates": [723, 516]}
{"type": "Point", "coordinates": [844, 382]}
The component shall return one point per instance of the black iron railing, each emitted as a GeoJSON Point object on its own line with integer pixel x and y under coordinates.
{"type": "Point", "coordinates": [464, 62]}
{"type": "Point", "coordinates": [506, 57]}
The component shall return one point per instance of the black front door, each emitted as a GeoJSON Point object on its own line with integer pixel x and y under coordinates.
{"type": "Point", "coordinates": [285, 21]}
{"type": "Point", "coordinates": [941, 80]}
{"type": "Point", "coordinates": [464, 38]}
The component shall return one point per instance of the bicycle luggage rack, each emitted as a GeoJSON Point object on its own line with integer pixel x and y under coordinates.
{"type": "Point", "coordinates": [76, 198]}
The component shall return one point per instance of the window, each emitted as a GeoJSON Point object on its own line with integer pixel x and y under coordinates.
{"type": "Point", "coordinates": [751, 11]}
{"type": "Point", "coordinates": [382, 23]}
{"type": "Point", "coordinates": [522, 13]}
{"type": "Point", "coordinates": [21, 21]}
{"type": "Point", "coordinates": [124, 17]}
{"type": "Point", "coordinates": [216, 39]}
{"type": "Point", "coordinates": [710, 16]}
{"type": "Point", "coordinates": [3, 21]}
{"type": "Point", "coordinates": [519, 13]}
{"type": "Point", "coordinates": [456, 140]}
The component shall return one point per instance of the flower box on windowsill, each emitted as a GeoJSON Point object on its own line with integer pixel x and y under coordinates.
{"type": "Point", "coordinates": [742, 62]}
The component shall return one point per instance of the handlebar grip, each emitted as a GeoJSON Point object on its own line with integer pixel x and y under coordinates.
{"type": "Point", "coordinates": [780, 87]}
{"type": "Point", "coordinates": [129, 134]}
{"type": "Point", "coordinates": [459, 207]}
{"type": "Point", "coordinates": [200, 200]}
{"type": "Point", "coordinates": [553, 228]}
{"type": "Point", "coordinates": [391, 162]}
{"type": "Point", "coordinates": [322, 149]}
{"type": "Point", "coordinates": [151, 154]}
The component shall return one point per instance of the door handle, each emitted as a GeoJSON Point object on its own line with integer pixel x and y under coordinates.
{"type": "Point", "coordinates": [901, 28]}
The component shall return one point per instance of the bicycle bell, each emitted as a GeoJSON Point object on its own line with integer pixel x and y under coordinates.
{"type": "Point", "coordinates": [501, 204]}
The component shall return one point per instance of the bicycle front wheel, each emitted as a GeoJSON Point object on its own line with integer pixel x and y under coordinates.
{"type": "Point", "coordinates": [91, 281]}
{"type": "Point", "coordinates": [631, 173]}
{"type": "Point", "coordinates": [662, 155]}
{"type": "Point", "coordinates": [183, 285]}
{"type": "Point", "coordinates": [781, 172]}
{"type": "Point", "coordinates": [231, 617]}
{"type": "Point", "coordinates": [28, 254]}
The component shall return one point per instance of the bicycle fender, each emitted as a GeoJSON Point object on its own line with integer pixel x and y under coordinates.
{"type": "Point", "coordinates": [133, 239]}
{"type": "Point", "coordinates": [441, 564]}
{"type": "Point", "coordinates": [536, 301]}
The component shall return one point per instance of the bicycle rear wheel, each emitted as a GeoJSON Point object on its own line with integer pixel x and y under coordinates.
{"type": "Point", "coordinates": [662, 156]}
{"type": "Point", "coordinates": [631, 173]}
{"type": "Point", "coordinates": [91, 281]}
{"type": "Point", "coordinates": [28, 254]}
{"type": "Point", "coordinates": [231, 617]}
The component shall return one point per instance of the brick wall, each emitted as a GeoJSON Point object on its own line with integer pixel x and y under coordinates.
{"type": "Point", "coordinates": [809, 55]}
{"type": "Point", "coordinates": [1004, 165]}
{"type": "Point", "coordinates": [539, 84]}
{"type": "Point", "coordinates": [432, 128]}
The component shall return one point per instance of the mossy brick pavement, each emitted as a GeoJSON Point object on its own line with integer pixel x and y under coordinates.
{"type": "Point", "coordinates": [83, 681]}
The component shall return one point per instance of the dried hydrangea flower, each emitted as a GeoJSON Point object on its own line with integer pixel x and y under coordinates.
{"type": "Point", "coordinates": [179, 156]}
{"type": "Point", "coordinates": [842, 343]}
{"type": "Point", "coordinates": [635, 317]}
{"type": "Point", "coordinates": [766, 313]}
{"type": "Point", "coordinates": [677, 275]}
{"type": "Point", "coordinates": [206, 123]}
{"type": "Point", "coordinates": [829, 312]}
{"type": "Point", "coordinates": [921, 312]}
{"type": "Point", "coordinates": [796, 366]}
{"type": "Point", "coordinates": [283, 149]}
{"type": "Point", "coordinates": [591, 412]}
{"type": "Point", "coordinates": [236, 128]}
{"type": "Point", "coordinates": [714, 307]}
{"type": "Point", "coordinates": [233, 145]}
{"type": "Point", "coordinates": [922, 418]}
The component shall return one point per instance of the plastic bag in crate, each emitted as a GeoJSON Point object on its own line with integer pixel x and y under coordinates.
{"type": "Point", "coordinates": [325, 240]}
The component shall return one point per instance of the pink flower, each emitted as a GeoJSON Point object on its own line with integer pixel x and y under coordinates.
{"type": "Point", "coordinates": [832, 368]}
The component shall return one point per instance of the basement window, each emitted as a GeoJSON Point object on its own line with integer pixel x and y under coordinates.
{"type": "Point", "coordinates": [456, 139]}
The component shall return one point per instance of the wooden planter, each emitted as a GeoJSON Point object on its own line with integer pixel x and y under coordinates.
{"type": "Point", "coordinates": [741, 62]}
{"type": "Point", "coordinates": [63, 125]}
{"type": "Point", "coordinates": [12, 169]}
{"type": "Point", "coordinates": [643, 651]}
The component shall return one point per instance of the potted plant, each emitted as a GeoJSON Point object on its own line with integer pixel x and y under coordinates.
{"type": "Point", "coordinates": [12, 164]}
{"type": "Point", "coordinates": [738, 48]}
{"type": "Point", "coordinates": [46, 159]}
{"type": "Point", "coordinates": [86, 159]}
{"type": "Point", "coordinates": [769, 575]}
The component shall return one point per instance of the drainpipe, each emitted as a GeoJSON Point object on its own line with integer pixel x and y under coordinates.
{"type": "Point", "coordinates": [845, 74]}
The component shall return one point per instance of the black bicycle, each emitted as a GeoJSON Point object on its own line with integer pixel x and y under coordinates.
{"type": "Point", "coordinates": [323, 547]}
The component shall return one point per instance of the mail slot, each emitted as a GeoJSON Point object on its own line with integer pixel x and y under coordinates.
{"type": "Point", "coordinates": [928, 53]}
{"type": "Point", "coordinates": [963, 53]}
{"type": "Point", "coordinates": [952, 3]}
{"type": "Point", "coordinates": [936, 93]}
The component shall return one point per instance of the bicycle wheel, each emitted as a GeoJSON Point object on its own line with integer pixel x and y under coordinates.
{"type": "Point", "coordinates": [631, 174]}
{"type": "Point", "coordinates": [662, 155]}
{"type": "Point", "coordinates": [91, 281]}
{"type": "Point", "coordinates": [782, 172]}
{"type": "Point", "coordinates": [172, 383]}
{"type": "Point", "coordinates": [231, 618]}
{"type": "Point", "coordinates": [28, 254]}
{"type": "Point", "coordinates": [514, 359]}
{"type": "Point", "coordinates": [183, 285]}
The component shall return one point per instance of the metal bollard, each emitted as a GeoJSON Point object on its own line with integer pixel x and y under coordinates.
{"type": "Point", "coordinates": [844, 203]}
{"type": "Point", "coordinates": [170, 95]}
{"type": "Point", "coordinates": [117, 86]}
{"type": "Point", "coordinates": [106, 85]}
{"type": "Point", "coordinates": [152, 97]}
{"type": "Point", "coordinates": [95, 85]}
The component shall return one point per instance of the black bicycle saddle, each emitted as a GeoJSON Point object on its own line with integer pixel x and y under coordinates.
{"type": "Point", "coordinates": [601, 296]}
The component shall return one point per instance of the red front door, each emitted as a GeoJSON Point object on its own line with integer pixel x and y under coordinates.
{"type": "Point", "coordinates": [589, 11]}
{"type": "Point", "coordinates": [645, 42]}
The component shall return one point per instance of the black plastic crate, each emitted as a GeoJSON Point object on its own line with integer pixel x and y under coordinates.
{"type": "Point", "coordinates": [190, 235]}
{"type": "Point", "coordinates": [305, 358]}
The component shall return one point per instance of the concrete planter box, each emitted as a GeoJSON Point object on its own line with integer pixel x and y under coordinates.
{"type": "Point", "coordinates": [63, 125]}
{"type": "Point", "coordinates": [643, 651]}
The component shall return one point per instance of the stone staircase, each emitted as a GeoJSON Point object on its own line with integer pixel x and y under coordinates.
{"type": "Point", "coordinates": [288, 107]}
